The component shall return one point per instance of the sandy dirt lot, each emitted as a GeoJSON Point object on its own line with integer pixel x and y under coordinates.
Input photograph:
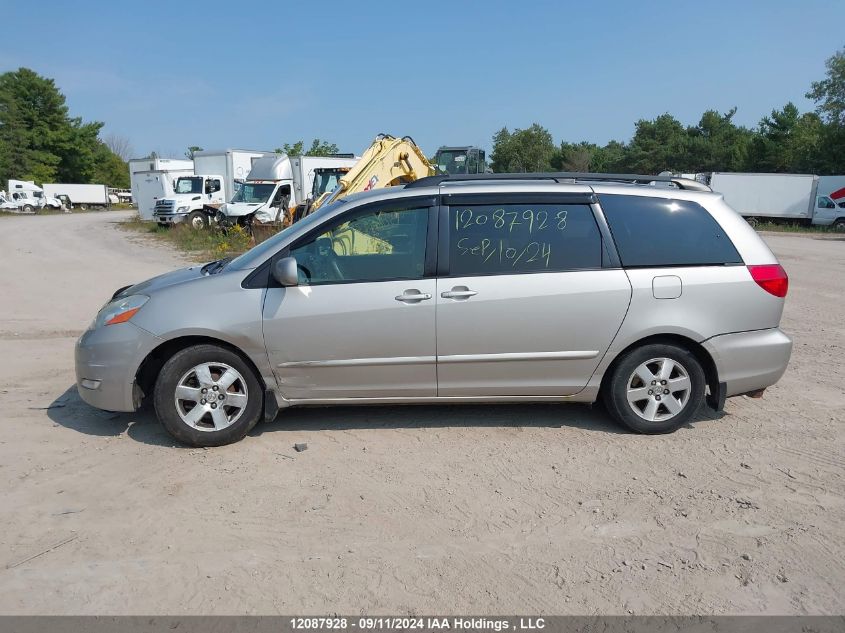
{"type": "Point", "coordinates": [481, 509]}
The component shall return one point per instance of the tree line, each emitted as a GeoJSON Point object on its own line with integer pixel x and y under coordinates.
{"type": "Point", "coordinates": [42, 142]}
{"type": "Point", "coordinates": [785, 141]}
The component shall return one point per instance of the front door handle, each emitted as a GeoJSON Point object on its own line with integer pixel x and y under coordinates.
{"type": "Point", "coordinates": [458, 292]}
{"type": "Point", "coordinates": [413, 296]}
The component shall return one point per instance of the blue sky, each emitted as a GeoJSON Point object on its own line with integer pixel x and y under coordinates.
{"type": "Point", "coordinates": [167, 75]}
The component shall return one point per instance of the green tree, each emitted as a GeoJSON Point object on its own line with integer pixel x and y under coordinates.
{"type": "Point", "coordinates": [829, 93]}
{"type": "Point", "coordinates": [193, 149]}
{"type": "Point", "coordinates": [318, 148]}
{"type": "Point", "coordinates": [658, 145]}
{"type": "Point", "coordinates": [38, 139]}
{"type": "Point", "coordinates": [829, 96]}
{"type": "Point", "coordinates": [110, 169]}
{"type": "Point", "coordinates": [787, 141]}
{"type": "Point", "coordinates": [716, 144]}
{"type": "Point", "coordinates": [520, 151]}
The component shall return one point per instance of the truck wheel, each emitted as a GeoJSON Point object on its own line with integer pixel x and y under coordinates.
{"type": "Point", "coordinates": [83, 206]}
{"type": "Point", "coordinates": [207, 395]}
{"type": "Point", "coordinates": [28, 208]}
{"type": "Point", "coordinates": [839, 225]}
{"type": "Point", "coordinates": [655, 388]}
{"type": "Point", "coordinates": [198, 220]}
{"type": "Point", "coordinates": [753, 222]}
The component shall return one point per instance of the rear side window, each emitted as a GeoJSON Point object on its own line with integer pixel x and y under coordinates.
{"type": "Point", "coordinates": [518, 238]}
{"type": "Point", "coordinates": [662, 232]}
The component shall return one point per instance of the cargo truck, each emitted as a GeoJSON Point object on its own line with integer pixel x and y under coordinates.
{"type": "Point", "coordinates": [217, 174]}
{"type": "Point", "coordinates": [792, 198]}
{"type": "Point", "coordinates": [140, 180]}
{"type": "Point", "coordinates": [150, 186]}
{"type": "Point", "coordinates": [278, 183]}
{"type": "Point", "coordinates": [79, 195]}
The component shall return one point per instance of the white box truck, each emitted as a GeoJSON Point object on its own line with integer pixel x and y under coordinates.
{"type": "Point", "coordinates": [279, 182]}
{"type": "Point", "coordinates": [79, 195]}
{"type": "Point", "coordinates": [139, 168]}
{"type": "Point", "coordinates": [150, 186]}
{"type": "Point", "coordinates": [216, 177]}
{"type": "Point", "coordinates": [793, 198]}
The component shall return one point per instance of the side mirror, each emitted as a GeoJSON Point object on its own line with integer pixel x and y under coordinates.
{"type": "Point", "coordinates": [286, 272]}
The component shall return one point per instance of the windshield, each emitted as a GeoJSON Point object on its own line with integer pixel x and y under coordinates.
{"type": "Point", "coordinates": [189, 185]}
{"type": "Point", "coordinates": [324, 181]}
{"type": "Point", "coordinates": [452, 162]}
{"type": "Point", "coordinates": [252, 192]}
{"type": "Point", "coordinates": [259, 253]}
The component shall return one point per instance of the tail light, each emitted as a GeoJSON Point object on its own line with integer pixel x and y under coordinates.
{"type": "Point", "coordinates": [771, 278]}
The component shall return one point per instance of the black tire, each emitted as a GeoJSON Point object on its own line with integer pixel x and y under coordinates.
{"type": "Point", "coordinates": [83, 207]}
{"type": "Point", "coordinates": [615, 393]}
{"type": "Point", "coordinates": [839, 225]}
{"type": "Point", "coordinates": [197, 220]}
{"type": "Point", "coordinates": [165, 400]}
{"type": "Point", "coordinates": [28, 208]}
{"type": "Point", "coordinates": [753, 222]}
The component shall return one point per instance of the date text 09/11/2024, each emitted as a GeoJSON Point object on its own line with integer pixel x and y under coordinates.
{"type": "Point", "coordinates": [404, 623]}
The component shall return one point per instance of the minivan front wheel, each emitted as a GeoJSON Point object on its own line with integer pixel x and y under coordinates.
{"type": "Point", "coordinates": [656, 388]}
{"type": "Point", "coordinates": [207, 395]}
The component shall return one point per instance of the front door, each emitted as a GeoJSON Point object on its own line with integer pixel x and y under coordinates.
{"type": "Point", "coordinates": [524, 304]}
{"type": "Point", "coordinates": [361, 322]}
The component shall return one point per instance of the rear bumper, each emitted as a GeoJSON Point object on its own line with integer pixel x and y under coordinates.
{"type": "Point", "coordinates": [747, 361]}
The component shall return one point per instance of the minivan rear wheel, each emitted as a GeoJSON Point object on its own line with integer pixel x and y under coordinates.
{"type": "Point", "coordinates": [207, 395]}
{"type": "Point", "coordinates": [655, 388]}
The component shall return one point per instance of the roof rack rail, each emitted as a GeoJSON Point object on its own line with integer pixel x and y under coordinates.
{"type": "Point", "coordinates": [561, 176]}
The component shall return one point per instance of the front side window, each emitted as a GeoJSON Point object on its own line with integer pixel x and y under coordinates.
{"type": "Point", "coordinates": [825, 203]}
{"type": "Point", "coordinates": [520, 238]}
{"type": "Point", "coordinates": [664, 232]}
{"type": "Point", "coordinates": [374, 246]}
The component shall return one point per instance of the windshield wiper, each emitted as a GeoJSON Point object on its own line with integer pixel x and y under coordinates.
{"type": "Point", "coordinates": [215, 267]}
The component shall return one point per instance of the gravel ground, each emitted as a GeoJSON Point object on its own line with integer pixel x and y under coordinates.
{"type": "Point", "coordinates": [482, 509]}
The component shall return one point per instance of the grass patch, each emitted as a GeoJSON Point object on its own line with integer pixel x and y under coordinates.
{"type": "Point", "coordinates": [778, 227]}
{"type": "Point", "coordinates": [200, 244]}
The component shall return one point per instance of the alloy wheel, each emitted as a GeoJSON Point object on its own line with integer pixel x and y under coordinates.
{"type": "Point", "coordinates": [658, 389]}
{"type": "Point", "coordinates": [211, 396]}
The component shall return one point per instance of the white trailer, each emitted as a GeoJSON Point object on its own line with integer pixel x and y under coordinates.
{"type": "Point", "coordinates": [151, 186]}
{"type": "Point", "coordinates": [79, 195]}
{"type": "Point", "coordinates": [778, 197]}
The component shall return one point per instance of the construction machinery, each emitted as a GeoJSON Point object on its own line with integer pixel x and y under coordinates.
{"type": "Point", "coordinates": [459, 160]}
{"type": "Point", "coordinates": [387, 162]}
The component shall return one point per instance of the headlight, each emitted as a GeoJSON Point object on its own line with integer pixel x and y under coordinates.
{"type": "Point", "coordinates": [119, 311]}
{"type": "Point", "coordinates": [182, 209]}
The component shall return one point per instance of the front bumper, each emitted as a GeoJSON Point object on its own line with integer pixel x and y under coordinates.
{"type": "Point", "coordinates": [170, 218]}
{"type": "Point", "coordinates": [107, 361]}
{"type": "Point", "coordinates": [748, 361]}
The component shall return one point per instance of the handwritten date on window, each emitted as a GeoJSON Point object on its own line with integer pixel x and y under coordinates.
{"type": "Point", "coordinates": [502, 238]}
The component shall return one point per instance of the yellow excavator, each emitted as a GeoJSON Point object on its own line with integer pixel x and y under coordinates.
{"type": "Point", "coordinates": [387, 162]}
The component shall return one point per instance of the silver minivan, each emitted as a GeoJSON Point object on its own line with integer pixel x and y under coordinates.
{"type": "Point", "coordinates": [653, 298]}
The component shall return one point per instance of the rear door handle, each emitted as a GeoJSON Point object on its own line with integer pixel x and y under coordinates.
{"type": "Point", "coordinates": [456, 293]}
{"type": "Point", "coordinates": [413, 296]}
